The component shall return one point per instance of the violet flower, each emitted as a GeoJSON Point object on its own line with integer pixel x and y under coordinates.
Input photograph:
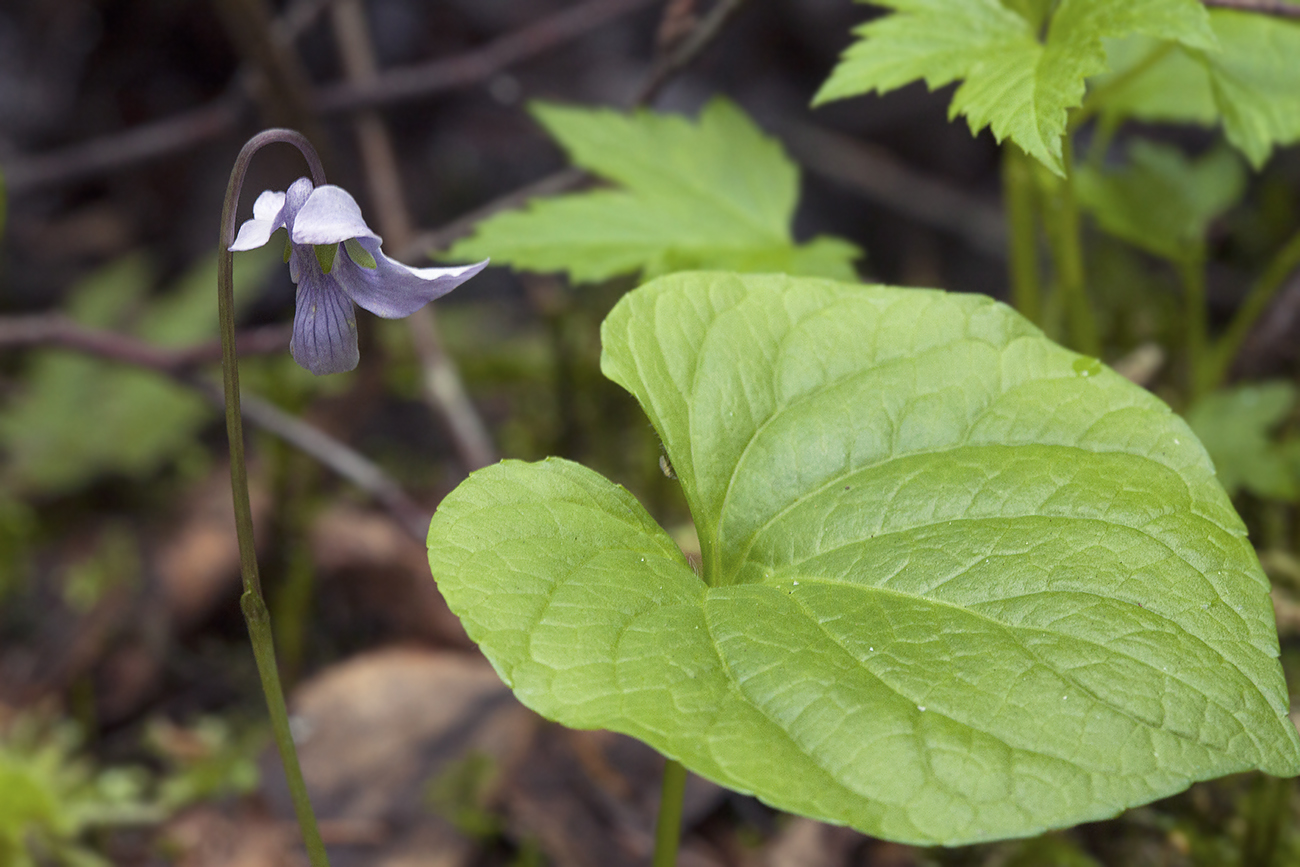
{"type": "Point", "coordinates": [335, 260]}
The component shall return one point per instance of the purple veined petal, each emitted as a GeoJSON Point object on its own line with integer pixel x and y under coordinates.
{"type": "Point", "coordinates": [324, 323]}
{"type": "Point", "coordinates": [330, 215]}
{"type": "Point", "coordinates": [268, 215]}
{"type": "Point", "coordinates": [393, 290]}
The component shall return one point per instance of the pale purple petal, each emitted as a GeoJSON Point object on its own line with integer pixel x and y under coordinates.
{"type": "Point", "coordinates": [330, 215]}
{"type": "Point", "coordinates": [324, 324]}
{"type": "Point", "coordinates": [394, 290]}
{"type": "Point", "coordinates": [268, 215]}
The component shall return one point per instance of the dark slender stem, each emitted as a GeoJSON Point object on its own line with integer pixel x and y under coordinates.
{"type": "Point", "coordinates": [668, 830]}
{"type": "Point", "coordinates": [687, 50]}
{"type": "Point", "coordinates": [1280, 8]}
{"type": "Point", "coordinates": [252, 602]}
{"type": "Point", "coordinates": [1192, 273]}
{"type": "Point", "coordinates": [1261, 294]}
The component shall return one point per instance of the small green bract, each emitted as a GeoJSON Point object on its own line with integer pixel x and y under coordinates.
{"type": "Point", "coordinates": [952, 589]}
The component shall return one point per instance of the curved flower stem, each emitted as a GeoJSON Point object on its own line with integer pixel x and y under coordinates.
{"type": "Point", "coordinates": [252, 602]}
{"type": "Point", "coordinates": [668, 830]}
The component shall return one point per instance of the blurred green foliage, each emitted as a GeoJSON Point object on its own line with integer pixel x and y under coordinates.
{"type": "Point", "coordinates": [1161, 201]}
{"type": "Point", "coordinates": [1238, 427]}
{"type": "Point", "coordinates": [51, 796]}
{"type": "Point", "coordinates": [76, 418]}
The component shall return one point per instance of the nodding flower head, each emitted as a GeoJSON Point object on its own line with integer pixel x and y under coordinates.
{"type": "Point", "coordinates": [335, 261]}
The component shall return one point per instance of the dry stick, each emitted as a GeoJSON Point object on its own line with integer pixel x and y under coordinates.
{"type": "Point", "coordinates": [443, 386]}
{"type": "Point", "coordinates": [56, 329]}
{"type": "Point", "coordinates": [687, 48]}
{"type": "Point", "coordinates": [690, 47]}
{"type": "Point", "coordinates": [286, 96]}
{"type": "Point", "coordinates": [881, 177]}
{"type": "Point", "coordinates": [1280, 8]}
{"type": "Point", "coordinates": [180, 364]}
{"type": "Point", "coordinates": [412, 82]}
{"type": "Point", "coordinates": [189, 129]}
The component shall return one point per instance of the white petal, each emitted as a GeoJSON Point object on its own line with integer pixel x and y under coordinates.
{"type": "Point", "coordinates": [268, 205]}
{"type": "Point", "coordinates": [330, 216]}
{"type": "Point", "coordinates": [267, 217]}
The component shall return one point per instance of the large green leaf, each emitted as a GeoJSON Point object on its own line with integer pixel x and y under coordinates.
{"type": "Point", "coordinates": [1251, 84]}
{"type": "Point", "coordinates": [958, 583]}
{"type": "Point", "coordinates": [1162, 201]}
{"type": "Point", "coordinates": [712, 194]}
{"type": "Point", "coordinates": [1013, 81]}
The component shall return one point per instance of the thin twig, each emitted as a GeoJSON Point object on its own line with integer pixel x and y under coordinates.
{"type": "Point", "coordinates": [424, 80]}
{"type": "Point", "coordinates": [180, 365]}
{"type": "Point", "coordinates": [423, 245]}
{"type": "Point", "coordinates": [681, 52]}
{"type": "Point", "coordinates": [286, 95]}
{"type": "Point", "coordinates": [686, 50]}
{"type": "Point", "coordinates": [138, 144]}
{"type": "Point", "coordinates": [443, 387]}
{"type": "Point", "coordinates": [191, 128]}
{"type": "Point", "coordinates": [881, 177]}
{"type": "Point", "coordinates": [1280, 8]}
{"type": "Point", "coordinates": [56, 329]}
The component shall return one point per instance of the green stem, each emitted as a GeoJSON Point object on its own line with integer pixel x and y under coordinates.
{"type": "Point", "coordinates": [252, 602]}
{"type": "Point", "coordinates": [1098, 96]}
{"type": "Point", "coordinates": [668, 830]}
{"type": "Point", "coordinates": [1020, 201]}
{"type": "Point", "coordinates": [1261, 294]}
{"type": "Point", "coordinates": [1192, 272]}
{"type": "Point", "coordinates": [1067, 256]}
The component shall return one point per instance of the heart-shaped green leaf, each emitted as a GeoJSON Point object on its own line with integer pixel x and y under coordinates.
{"type": "Point", "coordinates": [958, 583]}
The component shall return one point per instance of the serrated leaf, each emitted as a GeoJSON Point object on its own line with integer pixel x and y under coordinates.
{"type": "Point", "coordinates": [1251, 84]}
{"type": "Point", "coordinates": [958, 582]}
{"type": "Point", "coordinates": [1013, 82]}
{"type": "Point", "coordinates": [76, 417]}
{"type": "Point", "coordinates": [1236, 425]}
{"type": "Point", "coordinates": [1162, 201]}
{"type": "Point", "coordinates": [716, 193]}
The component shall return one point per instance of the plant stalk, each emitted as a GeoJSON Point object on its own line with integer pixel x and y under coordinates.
{"type": "Point", "coordinates": [1067, 259]}
{"type": "Point", "coordinates": [1192, 271]}
{"type": "Point", "coordinates": [252, 601]}
{"type": "Point", "coordinates": [668, 830]}
{"type": "Point", "coordinates": [1021, 204]}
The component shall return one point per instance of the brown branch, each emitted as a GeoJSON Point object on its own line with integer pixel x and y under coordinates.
{"type": "Point", "coordinates": [444, 389]}
{"type": "Point", "coordinates": [136, 145]}
{"type": "Point", "coordinates": [879, 176]}
{"type": "Point", "coordinates": [1279, 8]}
{"type": "Point", "coordinates": [179, 364]}
{"type": "Point", "coordinates": [423, 245]}
{"type": "Point", "coordinates": [55, 329]}
{"type": "Point", "coordinates": [681, 50]}
{"type": "Point", "coordinates": [189, 129]}
{"type": "Point", "coordinates": [423, 80]}
{"type": "Point", "coordinates": [686, 50]}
